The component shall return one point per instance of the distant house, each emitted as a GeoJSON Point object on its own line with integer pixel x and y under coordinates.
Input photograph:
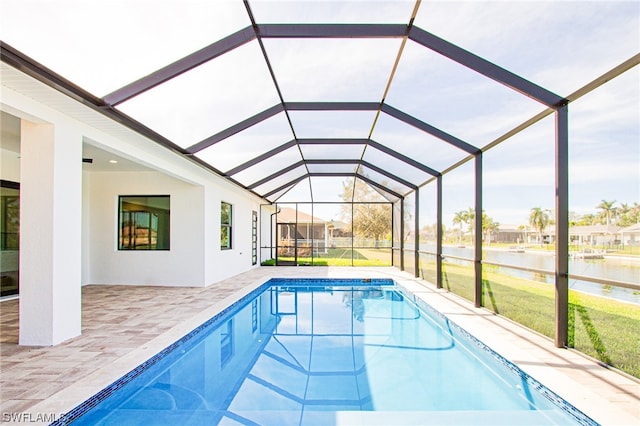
{"type": "Point", "coordinates": [548, 235]}
{"type": "Point", "coordinates": [630, 235]}
{"type": "Point", "coordinates": [307, 225]}
{"type": "Point", "coordinates": [297, 229]}
{"type": "Point", "coordinates": [594, 235]}
{"type": "Point", "coordinates": [508, 234]}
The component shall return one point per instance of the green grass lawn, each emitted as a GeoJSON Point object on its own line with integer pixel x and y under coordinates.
{"type": "Point", "coordinates": [337, 257]}
{"type": "Point", "coordinates": [605, 329]}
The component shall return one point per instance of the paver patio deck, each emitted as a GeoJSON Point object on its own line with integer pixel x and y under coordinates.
{"type": "Point", "coordinates": [124, 325]}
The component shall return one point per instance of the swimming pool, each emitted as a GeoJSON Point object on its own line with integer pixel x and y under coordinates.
{"type": "Point", "coordinates": [322, 352]}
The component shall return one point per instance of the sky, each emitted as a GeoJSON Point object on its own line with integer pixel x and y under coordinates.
{"type": "Point", "coordinates": [559, 45]}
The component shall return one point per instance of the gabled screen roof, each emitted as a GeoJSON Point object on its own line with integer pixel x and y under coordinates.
{"type": "Point", "coordinates": [286, 98]}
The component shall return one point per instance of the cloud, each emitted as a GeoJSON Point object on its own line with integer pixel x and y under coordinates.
{"type": "Point", "coordinates": [332, 69]}
{"type": "Point", "coordinates": [332, 11]}
{"type": "Point", "coordinates": [559, 45]}
{"type": "Point", "coordinates": [103, 45]}
{"type": "Point", "coordinates": [208, 99]}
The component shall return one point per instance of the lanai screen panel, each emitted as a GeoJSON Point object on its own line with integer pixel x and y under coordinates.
{"type": "Point", "coordinates": [332, 124]}
{"type": "Point", "coordinates": [208, 99]}
{"type": "Point", "coordinates": [605, 156]}
{"type": "Point", "coordinates": [318, 152]}
{"type": "Point", "coordinates": [415, 143]}
{"type": "Point", "coordinates": [246, 71]}
{"type": "Point", "coordinates": [396, 166]}
{"type": "Point", "coordinates": [334, 12]}
{"type": "Point", "coordinates": [524, 164]}
{"type": "Point", "coordinates": [332, 70]}
{"type": "Point", "coordinates": [385, 181]}
{"type": "Point", "coordinates": [559, 45]}
{"type": "Point", "coordinates": [269, 166]}
{"type": "Point", "coordinates": [279, 181]}
{"type": "Point", "coordinates": [455, 99]}
{"type": "Point", "coordinates": [248, 144]}
{"type": "Point", "coordinates": [104, 45]}
{"type": "Point", "coordinates": [332, 168]}
{"type": "Point", "coordinates": [298, 193]}
{"type": "Point", "coordinates": [330, 189]}
{"type": "Point", "coordinates": [365, 193]}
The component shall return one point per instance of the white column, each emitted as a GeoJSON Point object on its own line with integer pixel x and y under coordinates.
{"type": "Point", "coordinates": [50, 233]}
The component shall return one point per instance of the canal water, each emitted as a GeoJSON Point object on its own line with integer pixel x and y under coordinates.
{"type": "Point", "coordinates": [611, 268]}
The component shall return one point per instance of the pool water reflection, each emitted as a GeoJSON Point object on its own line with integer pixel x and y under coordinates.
{"type": "Point", "coordinates": [305, 352]}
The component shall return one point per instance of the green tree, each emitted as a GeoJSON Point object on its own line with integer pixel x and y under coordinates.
{"type": "Point", "coordinates": [467, 217]}
{"type": "Point", "coordinates": [489, 227]}
{"type": "Point", "coordinates": [624, 212]}
{"type": "Point", "coordinates": [628, 214]}
{"type": "Point", "coordinates": [471, 217]}
{"type": "Point", "coordinates": [539, 219]}
{"type": "Point", "coordinates": [587, 219]}
{"type": "Point", "coordinates": [608, 210]}
{"type": "Point", "coordinates": [369, 220]}
{"type": "Point", "coordinates": [458, 219]}
{"type": "Point", "coordinates": [634, 214]}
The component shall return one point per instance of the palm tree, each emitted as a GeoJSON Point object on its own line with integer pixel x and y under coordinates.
{"type": "Point", "coordinates": [458, 219]}
{"type": "Point", "coordinates": [635, 213]}
{"type": "Point", "coordinates": [588, 219]}
{"type": "Point", "coordinates": [624, 218]}
{"type": "Point", "coordinates": [489, 226]}
{"type": "Point", "coordinates": [607, 209]}
{"type": "Point", "coordinates": [539, 219]}
{"type": "Point", "coordinates": [471, 217]}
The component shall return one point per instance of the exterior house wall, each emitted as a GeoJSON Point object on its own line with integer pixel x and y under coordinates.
{"type": "Point", "coordinates": [221, 264]}
{"type": "Point", "coordinates": [630, 235]}
{"type": "Point", "coordinates": [9, 166]}
{"type": "Point", "coordinates": [195, 258]}
{"type": "Point", "coordinates": [182, 265]}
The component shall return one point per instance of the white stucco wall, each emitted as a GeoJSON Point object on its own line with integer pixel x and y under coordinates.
{"type": "Point", "coordinates": [9, 165]}
{"type": "Point", "coordinates": [50, 233]}
{"type": "Point", "coordinates": [221, 264]}
{"type": "Point", "coordinates": [195, 258]}
{"type": "Point", "coordinates": [182, 265]}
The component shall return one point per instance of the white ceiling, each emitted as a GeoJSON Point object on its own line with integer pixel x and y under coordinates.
{"type": "Point", "coordinates": [103, 161]}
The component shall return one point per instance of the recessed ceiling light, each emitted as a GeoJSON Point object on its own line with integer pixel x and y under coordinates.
{"type": "Point", "coordinates": [113, 161]}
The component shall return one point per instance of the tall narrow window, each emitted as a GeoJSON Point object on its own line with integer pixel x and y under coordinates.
{"type": "Point", "coordinates": [144, 222]}
{"type": "Point", "coordinates": [226, 214]}
{"type": "Point", "coordinates": [254, 237]}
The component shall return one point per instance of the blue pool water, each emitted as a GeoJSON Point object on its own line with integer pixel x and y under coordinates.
{"type": "Point", "coordinates": [324, 352]}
